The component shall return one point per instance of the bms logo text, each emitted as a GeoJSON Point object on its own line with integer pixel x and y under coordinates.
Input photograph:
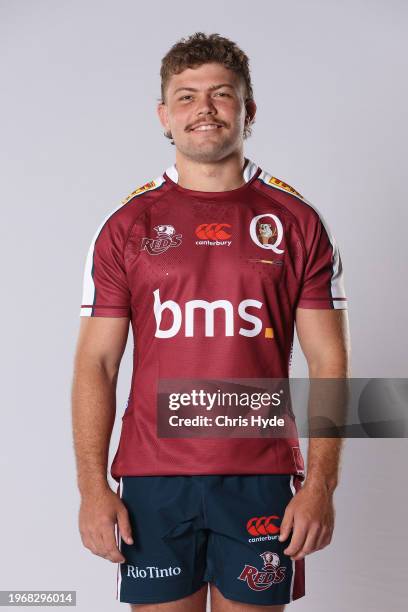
{"type": "Point", "coordinates": [209, 314]}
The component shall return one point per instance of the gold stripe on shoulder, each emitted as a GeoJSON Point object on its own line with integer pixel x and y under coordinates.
{"type": "Point", "coordinates": [282, 185]}
{"type": "Point", "coordinates": [146, 187]}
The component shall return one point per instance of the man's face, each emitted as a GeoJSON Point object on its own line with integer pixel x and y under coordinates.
{"type": "Point", "coordinates": [210, 94]}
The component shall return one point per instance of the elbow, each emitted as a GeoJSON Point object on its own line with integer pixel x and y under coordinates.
{"type": "Point", "coordinates": [330, 366]}
{"type": "Point", "coordinates": [85, 364]}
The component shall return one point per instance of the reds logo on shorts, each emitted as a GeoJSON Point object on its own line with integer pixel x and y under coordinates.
{"type": "Point", "coordinates": [271, 573]}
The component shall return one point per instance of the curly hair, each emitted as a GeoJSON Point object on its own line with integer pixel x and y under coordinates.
{"type": "Point", "coordinates": [198, 49]}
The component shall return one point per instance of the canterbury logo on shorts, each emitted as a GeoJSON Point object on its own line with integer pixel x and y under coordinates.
{"type": "Point", "coordinates": [263, 525]}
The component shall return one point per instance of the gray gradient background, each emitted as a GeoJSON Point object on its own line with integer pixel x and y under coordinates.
{"type": "Point", "coordinates": [79, 132]}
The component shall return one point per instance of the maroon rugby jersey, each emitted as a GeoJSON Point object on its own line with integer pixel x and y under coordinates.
{"type": "Point", "coordinates": [211, 282]}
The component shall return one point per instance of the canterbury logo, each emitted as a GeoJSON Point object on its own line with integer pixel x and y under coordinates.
{"type": "Point", "coordinates": [262, 525]}
{"type": "Point", "coordinates": [213, 231]}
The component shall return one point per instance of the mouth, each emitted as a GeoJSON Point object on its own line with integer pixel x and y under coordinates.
{"type": "Point", "coordinates": [210, 127]}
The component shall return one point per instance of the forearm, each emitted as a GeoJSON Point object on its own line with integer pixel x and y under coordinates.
{"type": "Point", "coordinates": [323, 462]}
{"type": "Point", "coordinates": [324, 454]}
{"type": "Point", "coordinates": [93, 416]}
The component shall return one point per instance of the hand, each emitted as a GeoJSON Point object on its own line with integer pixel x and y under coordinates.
{"type": "Point", "coordinates": [310, 513]}
{"type": "Point", "coordinates": [98, 514]}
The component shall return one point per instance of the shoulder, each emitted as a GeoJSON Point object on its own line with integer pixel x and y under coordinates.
{"type": "Point", "coordinates": [276, 184]}
{"type": "Point", "coordinates": [152, 185]}
{"type": "Point", "coordinates": [290, 198]}
{"type": "Point", "coordinates": [124, 214]}
{"type": "Point", "coordinates": [308, 217]}
{"type": "Point", "coordinates": [115, 227]}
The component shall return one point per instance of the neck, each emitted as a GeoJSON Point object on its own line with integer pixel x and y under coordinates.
{"type": "Point", "coordinates": [222, 175]}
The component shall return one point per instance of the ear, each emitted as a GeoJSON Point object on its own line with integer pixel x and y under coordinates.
{"type": "Point", "coordinates": [250, 107]}
{"type": "Point", "coordinates": [163, 115]}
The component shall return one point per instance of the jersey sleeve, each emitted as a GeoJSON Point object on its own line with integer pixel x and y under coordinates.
{"type": "Point", "coordinates": [105, 288]}
{"type": "Point", "coordinates": [323, 280]}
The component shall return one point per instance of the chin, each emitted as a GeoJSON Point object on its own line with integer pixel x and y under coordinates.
{"type": "Point", "coordinates": [205, 156]}
{"type": "Point", "coordinates": [206, 152]}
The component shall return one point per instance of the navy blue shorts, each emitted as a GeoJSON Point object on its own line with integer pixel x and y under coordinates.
{"type": "Point", "coordinates": [189, 530]}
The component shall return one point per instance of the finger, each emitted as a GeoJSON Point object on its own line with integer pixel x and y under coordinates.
{"type": "Point", "coordinates": [112, 552]}
{"type": "Point", "coordinates": [310, 542]}
{"type": "Point", "coordinates": [97, 545]}
{"type": "Point", "coordinates": [124, 526]}
{"type": "Point", "coordinates": [89, 542]}
{"type": "Point", "coordinates": [297, 541]}
{"type": "Point", "coordinates": [286, 526]}
{"type": "Point", "coordinates": [118, 540]}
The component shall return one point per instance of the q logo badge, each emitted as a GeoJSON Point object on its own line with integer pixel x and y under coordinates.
{"type": "Point", "coordinates": [267, 234]}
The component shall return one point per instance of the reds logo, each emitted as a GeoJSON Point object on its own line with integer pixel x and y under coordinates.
{"type": "Point", "coordinates": [271, 573]}
{"type": "Point", "coordinates": [166, 238]}
{"type": "Point", "coordinates": [267, 235]}
{"type": "Point", "coordinates": [262, 525]}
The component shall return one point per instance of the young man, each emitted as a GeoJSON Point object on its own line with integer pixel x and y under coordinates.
{"type": "Point", "coordinates": [213, 262]}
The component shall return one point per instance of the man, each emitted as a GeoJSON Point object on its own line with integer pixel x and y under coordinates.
{"type": "Point", "coordinates": [213, 262]}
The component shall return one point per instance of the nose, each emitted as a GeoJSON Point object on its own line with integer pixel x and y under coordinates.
{"type": "Point", "coordinates": [205, 105]}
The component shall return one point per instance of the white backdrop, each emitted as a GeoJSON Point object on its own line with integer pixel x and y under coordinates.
{"type": "Point", "coordinates": [80, 82]}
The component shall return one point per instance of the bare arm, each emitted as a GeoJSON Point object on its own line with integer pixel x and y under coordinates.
{"type": "Point", "coordinates": [325, 340]}
{"type": "Point", "coordinates": [100, 347]}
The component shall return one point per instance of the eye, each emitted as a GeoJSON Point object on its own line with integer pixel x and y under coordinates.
{"type": "Point", "coordinates": [219, 93]}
